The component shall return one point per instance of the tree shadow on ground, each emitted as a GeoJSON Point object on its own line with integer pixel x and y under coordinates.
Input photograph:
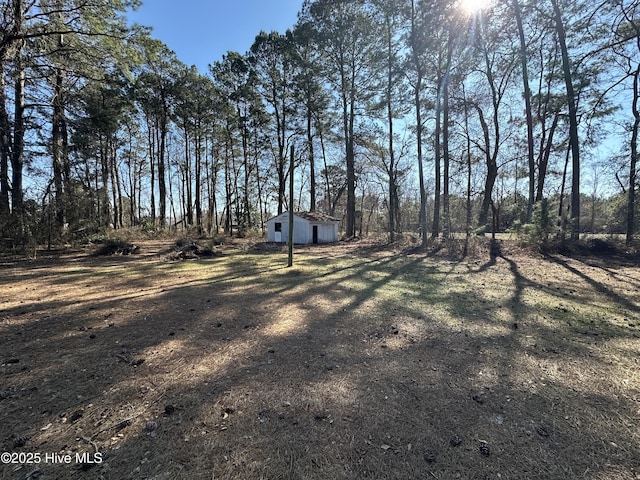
{"type": "Point", "coordinates": [393, 367]}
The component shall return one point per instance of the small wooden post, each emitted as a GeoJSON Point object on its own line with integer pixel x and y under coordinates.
{"type": "Point", "coordinates": [290, 242]}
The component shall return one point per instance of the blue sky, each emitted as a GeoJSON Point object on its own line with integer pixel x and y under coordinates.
{"type": "Point", "coordinates": [201, 31]}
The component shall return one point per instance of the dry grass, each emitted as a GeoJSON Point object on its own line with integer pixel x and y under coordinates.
{"type": "Point", "coordinates": [358, 363]}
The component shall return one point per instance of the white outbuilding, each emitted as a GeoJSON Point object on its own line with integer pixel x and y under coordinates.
{"type": "Point", "coordinates": [308, 227]}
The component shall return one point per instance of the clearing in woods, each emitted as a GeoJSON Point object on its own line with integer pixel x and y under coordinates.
{"type": "Point", "coordinates": [359, 362]}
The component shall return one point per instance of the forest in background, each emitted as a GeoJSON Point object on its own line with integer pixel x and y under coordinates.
{"type": "Point", "coordinates": [400, 116]}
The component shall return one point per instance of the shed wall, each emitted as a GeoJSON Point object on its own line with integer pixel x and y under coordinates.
{"type": "Point", "coordinates": [327, 232]}
{"type": "Point", "coordinates": [302, 230]}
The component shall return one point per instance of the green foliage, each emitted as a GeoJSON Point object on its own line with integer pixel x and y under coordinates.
{"type": "Point", "coordinates": [614, 214]}
{"type": "Point", "coordinates": [148, 226]}
{"type": "Point", "coordinates": [482, 230]}
{"type": "Point", "coordinates": [542, 227]}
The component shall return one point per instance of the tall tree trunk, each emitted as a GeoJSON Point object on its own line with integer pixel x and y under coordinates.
{"type": "Point", "coordinates": [111, 158]}
{"type": "Point", "coordinates": [139, 202]}
{"type": "Point", "coordinates": [261, 202]}
{"type": "Point", "coordinates": [17, 145]}
{"type": "Point", "coordinates": [17, 153]}
{"type": "Point", "coordinates": [491, 154]}
{"type": "Point", "coordinates": [631, 192]}
{"type": "Point", "coordinates": [528, 113]}
{"type": "Point", "coordinates": [173, 216]}
{"type": "Point", "coordinates": [131, 164]}
{"type": "Point", "coordinates": [211, 165]}
{"type": "Point", "coordinates": [423, 193]}
{"type": "Point", "coordinates": [228, 223]}
{"type": "Point", "coordinates": [435, 225]}
{"type": "Point", "coordinates": [326, 175]}
{"type": "Point", "coordinates": [544, 158]}
{"type": "Point", "coordinates": [7, 140]}
{"type": "Point", "coordinates": [118, 184]}
{"type": "Point", "coordinates": [58, 148]}
{"type": "Point", "coordinates": [198, 180]}
{"type": "Point", "coordinates": [467, 222]}
{"type": "Point", "coordinates": [574, 141]}
{"type": "Point", "coordinates": [312, 162]}
{"type": "Point", "coordinates": [561, 215]}
{"type": "Point", "coordinates": [59, 140]}
{"type": "Point", "coordinates": [151, 137]}
{"type": "Point", "coordinates": [238, 203]}
{"type": "Point", "coordinates": [391, 169]}
{"type": "Point", "coordinates": [92, 186]}
{"type": "Point", "coordinates": [348, 103]}
{"type": "Point", "coordinates": [103, 194]}
{"type": "Point", "coordinates": [282, 185]}
{"type": "Point", "coordinates": [281, 166]}
{"type": "Point", "coordinates": [162, 179]}
{"type": "Point", "coordinates": [246, 220]}
{"type": "Point", "coordinates": [187, 183]}
{"type": "Point", "coordinates": [445, 142]}
{"type": "Point", "coordinates": [5, 147]}
{"type": "Point", "coordinates": [417, 88]}
{"type": "Point", "coordinates": [543, 111]}
{"type": "Point", "coordinates": [492, 170]}
{"type": "Point", "coordinates": [290, 226]}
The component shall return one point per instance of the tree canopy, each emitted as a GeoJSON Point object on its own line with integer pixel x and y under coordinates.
{"type": "Point", "coordinates": [406, 116]}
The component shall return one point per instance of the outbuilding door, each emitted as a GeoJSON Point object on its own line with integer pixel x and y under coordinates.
{"type": "Point", "coordinates": [315, 234]}
{"type": "Point", "coordinates": [278, 232]}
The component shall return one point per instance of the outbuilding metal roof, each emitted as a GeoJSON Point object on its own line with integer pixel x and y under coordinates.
{"type": "Point", "coordinates": [316, 217]}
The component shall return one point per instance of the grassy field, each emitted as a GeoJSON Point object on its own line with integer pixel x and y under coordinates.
{"type": "Point", "coordinates": [360, 362]}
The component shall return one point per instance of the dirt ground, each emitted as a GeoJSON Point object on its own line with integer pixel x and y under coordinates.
{"type": "Point", "coordinates": [360, 362]}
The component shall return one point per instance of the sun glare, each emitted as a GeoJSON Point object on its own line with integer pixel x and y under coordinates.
{"type": "Point", "coordinates": [471, 7]}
